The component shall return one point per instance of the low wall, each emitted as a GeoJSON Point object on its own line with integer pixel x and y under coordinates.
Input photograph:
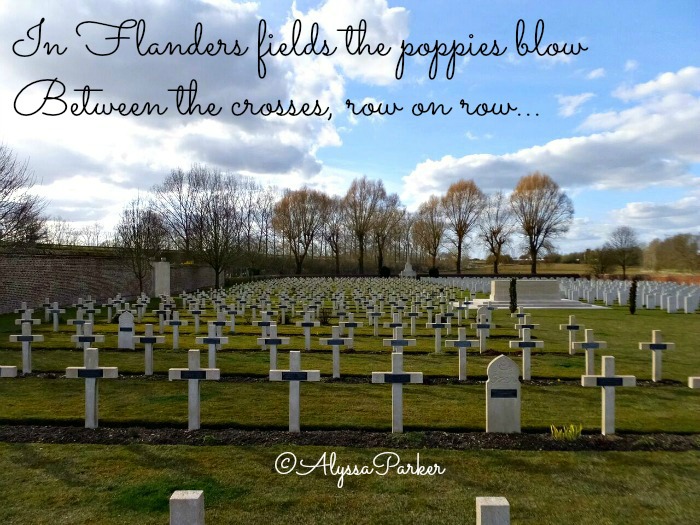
{"type": "Point", "coordinates": [65, 278]}
{"type": "Point", "coordinates": [527, 290]}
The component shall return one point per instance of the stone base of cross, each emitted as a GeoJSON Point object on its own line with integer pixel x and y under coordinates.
{"type": "Point", "coordinates": [26, 339]}
{"type": "Point", "coordinates": [148, 340]}
{"type": "Point", "coordinates": [572, 327]}
{"type": "Point", "coordinates": [492, 511]}
{"type": "Point", "coordinates": [694, 382]}
{"type": "Point", "coordinates": [8, 371]}
{"type": "Point", "coordinates": [273, 342]}
{"type": "Point", "coordinates": [397, 378]}
{"type": "Point", "coordinates": [526, 345]}
{"type": "Point", "coordinates": [589, 345]}
{"type": "Point", "coordinates": [461, 343]}
{"type": "Point", "coordinates": [193, 374]}
{"type": "Point", "coordinates": [608, 381]}
{"type": "Point", "coordinates": [657, 346]}
{"type": "Point", "coordinates": [294, 375]}
{"type": "Point", "coordinates": [91, 372]}
{"type": "Point", "coordinates": [335, 342]}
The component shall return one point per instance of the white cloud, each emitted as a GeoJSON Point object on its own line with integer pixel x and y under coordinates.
{"type": "Point", "coordinates": [596, 73]}
{"type": "Point", "coordinates": [570, 104]}
{"type": "Point", "coordinates": [687, 80]}
{"type": "Point", "coordinates": [631, 65]}
{"type": "Point", "coordinates": [651, 144]}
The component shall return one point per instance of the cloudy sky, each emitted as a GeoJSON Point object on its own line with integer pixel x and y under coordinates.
{"type": "Point", "coordinates": [617, 125]}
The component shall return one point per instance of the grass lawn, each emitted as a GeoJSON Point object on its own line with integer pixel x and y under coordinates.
{"type": "Point", "coordinates": [51, 483]}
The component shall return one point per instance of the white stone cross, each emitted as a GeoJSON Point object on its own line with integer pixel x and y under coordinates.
{"type": "Point", "coordinates": [656, 346]}
{"type": "Point", "coordinates": [482, 331]}
{"type": "Point", "coordinates": [524, 323]}
{"type": "Point", "coordinates": [573, 327]}
{"type": "Point", "coordinates": [307, 324]}
{"type": "Point", "coordinates": [193, 374]}
{"type": "Point", "coordinates": [220, 323]}
{"type": "Point", "coordinates": [148, 340]}
{"type": "Point", "coordinates": [590, 345]}
{"type": "Point", "coordinates": [397, 343]}
{"type": "Point", "coordinates": [608, 381]}
{"type": "Point", "coordinates": [87, 338]}
{"type": "Point", "coordinates": [26, 317]}
{"type": "Point", "coordinates": [374, 318]}
{"type": "Point", "coordinates": [26, 339]}
{"type": "Point", "coordinates": [335, 341]}
{"type": "Point", "coordinates": [438, 334]}
{"type": "Point", "coordinates": [502, 396]}
{"type": "Point", "coordinates": [294, 375]}
{"type": "Point", "coordinates": [55, 311]}
{"type": "Point", "coordinates": [176, 323]}
{"type": "Point", "coordinates": [273, 342]}
{"type": "Point", "coordinates": [397, 378]}
{"type": "Point", "coordinates": [196, 312]}
{"type": "Point", "coordinates": [350, 324]}
{"type": "Point", "coordinates": [526, 345]}
{"type": "Point", "coordinates": [91, 372]}
{"type": "Point", "coordinates": [395, 323]}
{"type": "Point", "coordinates": [412, 316]}
{"type": "Point", "coordinates": [462, 343]}
{"type": "Point", "coordinates": [161, 312]}
{"type": "Point", "coordinates": [213, 340]}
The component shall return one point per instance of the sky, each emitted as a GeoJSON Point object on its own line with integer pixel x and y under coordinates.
{"type": "Point", "coordinates": [613, 117]}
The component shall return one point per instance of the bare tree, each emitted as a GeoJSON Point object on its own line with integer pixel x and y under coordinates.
{"type": "Point", "coordinates": [388, 216]}
{"type": "Point", "coordinates": [60, 233]}
{"type": "Point", "coordinates": [333, 228]}
{"type": "Point", "coordinates": [176, 200]}
{"type": "Point", "coordinates": [543, 212]}
{"type": "Point", "coordinates": [298, 217]}
{"type": "Point", "coordinates": [496, 226]}
{"type": "Point", "coordinates": [624, 248]}
{"type": "Point", "coordinates": [21, 219]}
{"type": "Point", "coordinates": [462, 206]}
{"type": "Point", "coordinates": [140, 238]}
{"type": "Point", "coordinates": [362, 201]}
{"type": "Point", "coordinates": [429, 227]}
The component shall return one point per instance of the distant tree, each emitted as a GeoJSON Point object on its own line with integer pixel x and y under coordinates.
{"type": "Point", "coordinates": [140, 238]}
{"type": "Point", "coordinates": [362, 200]}
{"type": "Point", "coordinates": [624, 248]}
{"type": "Point", "coordinates": [680, 252]}
{"type": "Point", "coordinates": [333, 228]}
{"type": "Point", "coordinates": [429, 228]}
{"type": "Point", "coordinates": [600, 260]}
{"type": "Point", "coordinates": [462, 205]}
{"type": "Point", "coordinates": [21, 213]}
{"type": "Point", "coordinates": [298, 216]}
{"type": "Point", "coordinates": [386, 225]}
{"type": "Point", "coordinates": [496, 226]}
{"type": "Point", "coordinates": [542, 211]}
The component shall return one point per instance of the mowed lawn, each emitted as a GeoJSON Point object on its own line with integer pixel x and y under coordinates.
{"type": "Point", "coordinates": [44, 483]}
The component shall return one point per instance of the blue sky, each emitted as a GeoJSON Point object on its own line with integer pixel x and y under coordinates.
{"type": "Point", "coordinates": [617, 126]}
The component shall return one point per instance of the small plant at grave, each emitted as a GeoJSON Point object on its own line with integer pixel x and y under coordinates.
{"type": "Point", "coordinates": [568, 432]}
{"type": "Point", "coordinates": [513, 289]}
{"type": "Point", "coordinates": [324, 315]}
{"type": "Point", "coordinates": [633, 296]}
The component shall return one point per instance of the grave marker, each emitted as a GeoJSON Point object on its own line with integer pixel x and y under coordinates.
{"type": "Point", "coordinates": [526, 345]}
{"type": "Point", "coordinates": [294, 375]}
{"type": "Point", "coordinates": [335, 341]}
{"type": "Point", "coordinates": [91, 372]}
{"type": "Point", "coordinates": [187, 507]}
{"type": "Point", "coordinates": [87, 338]}
{"type": "Point", "coordinates": [26, 339]}
{"type": "Point", "coordinates": [273, 342]}
{"type": "Point", "coordinates": [213, 341]}
{"type": "Point", "coordinates": [502, 396]}
{"type": "Point", "coordinates": [307, 324]}
{"type": "Point", "coordinates": [176, 323]}
{"type": "Point", "coordinates": [11, 371]}
{"type": "Point", "coordinates": [397, 378]}
{"type": "Point", "coordinates": [608, 381]}
{"type": "Point", "coordinates": [573, 327]}
{"type": "Point", "coordinates": [590, 346]}
{"type": "Point", "coordinates": [461, 343]}
{"type": "Point", "coordinates": [657, 346]}
{"type": "Point", "coordinates": [125, 336]}
{"type": "Point", "coordinates": [193, 374]}
{"type": "Point", "coordinates": [492, 511]}
{"type": "Point", "coordinates": [148, 340]}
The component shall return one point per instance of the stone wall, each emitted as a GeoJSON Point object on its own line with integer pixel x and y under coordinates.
{"type": "Point", "coordinates": [65, 278]}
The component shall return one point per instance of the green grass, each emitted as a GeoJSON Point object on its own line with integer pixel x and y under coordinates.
{"type": "Point", "coordinates": [91, 484]}
{"type": "Point", "coordinates": [131, 484]}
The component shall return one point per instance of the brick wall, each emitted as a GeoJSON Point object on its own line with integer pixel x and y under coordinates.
{"type": "Point", "coordinates": [65, 278]}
